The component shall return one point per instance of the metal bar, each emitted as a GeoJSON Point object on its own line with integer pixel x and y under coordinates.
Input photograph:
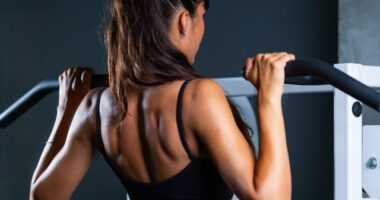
{"type": "Point", "coordinates": [240, 87]}
{"type": "Point", "coordinates": [37, 93]}
{"type": "Point", "coordinates": [337, 78]}
{"type": "Point", "coordinates": [300, 72]}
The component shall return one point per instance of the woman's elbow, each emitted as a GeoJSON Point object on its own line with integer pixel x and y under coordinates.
{"type": "Point", "coordinates": [38, 193]}
{"type": "Point", "coordinates": [265, 192]}
{"type": "Point", "coordinates": [265, 196]}
{"type": "Point", "coordinates": [283, 193]}
{"type": "Point", "coordinates": [34, 193]}
{"type": "Point", "coordinates": [275, 192]}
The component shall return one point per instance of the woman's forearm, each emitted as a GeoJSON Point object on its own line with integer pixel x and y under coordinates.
{"type": "Point", "coordinates": [55, 142]}
{"type": "Point", "coordinates": [272, 170]}
{"type": "Point", "coordinates": [74, 85]}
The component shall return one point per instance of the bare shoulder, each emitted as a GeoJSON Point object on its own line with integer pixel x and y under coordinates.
{"type": "Point", "coordinates": [86, 112]}
{"type": "Point", "coordinates": [109, 108]}
{"type": "Point", "coordinates": [205, 89]}
{"type": "Point", "coordinates": [83, 125]}
{"type": "Point", "coordinates": [107, 102]}
{"type": "Point", "coordinates": [207, 103]}
{"type": "Point", "coordinates": [87, 109]}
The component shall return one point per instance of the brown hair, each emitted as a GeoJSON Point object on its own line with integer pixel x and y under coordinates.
{"type": "Point", "coordinates": [140, 53]}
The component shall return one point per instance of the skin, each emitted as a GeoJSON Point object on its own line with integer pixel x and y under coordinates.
{"type": "Point", "coordinates": [145, 146]}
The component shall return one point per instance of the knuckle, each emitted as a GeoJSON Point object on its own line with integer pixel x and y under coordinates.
{"type": "Point", "coordinates": [273, 65]}
{"type": "Point", "coordinates": [277, 65]}
{"type": "Point", "coordinates": [271, 59]}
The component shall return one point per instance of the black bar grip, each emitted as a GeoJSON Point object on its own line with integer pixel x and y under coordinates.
{"type": "Point", "coordinates": [38, 92]}
{"type": "Point", "coordinates": [328, 73]}
{"type": "Point", "coordinates": [99, 80]}
{"type": "Point", "coordinates": [304, 80]}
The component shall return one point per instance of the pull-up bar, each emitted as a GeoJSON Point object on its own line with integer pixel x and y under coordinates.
{"type": "Point", "coordinates": [299, 72]}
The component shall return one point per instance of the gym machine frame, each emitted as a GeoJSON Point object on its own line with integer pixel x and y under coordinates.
{"type": "Point", "coordinates": [355, 164]}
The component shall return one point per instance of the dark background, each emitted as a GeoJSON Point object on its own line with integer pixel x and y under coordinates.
{"type": "Point", "coordinates": [40, 38]}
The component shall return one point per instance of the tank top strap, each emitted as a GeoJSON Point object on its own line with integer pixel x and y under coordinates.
{"type": "Point", "coordinates": [179, 119]}
{"type": "Point", "coordinates": [98, 120]}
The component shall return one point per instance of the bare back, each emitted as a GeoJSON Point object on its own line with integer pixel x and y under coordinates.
{"type": "Point", "coordinates": [145, 145]}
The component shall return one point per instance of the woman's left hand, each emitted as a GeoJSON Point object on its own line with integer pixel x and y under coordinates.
{"type": "Point", "coordinates": [74, 84]}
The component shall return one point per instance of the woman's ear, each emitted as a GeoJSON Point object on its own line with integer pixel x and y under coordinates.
{"type": "Point", "coordinates": [185, 22]}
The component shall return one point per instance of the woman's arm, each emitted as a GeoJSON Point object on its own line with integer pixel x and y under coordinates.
{"type": "Point", "coordinates": [267, 177]}
{"type": "Point", "coordinates": [70, 147]}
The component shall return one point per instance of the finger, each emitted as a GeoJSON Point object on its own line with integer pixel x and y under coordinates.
{"type": "Point", "coordinates": [292, 57]}
{"type": "Point", "coordinates": [73, 77]}
{"type": "Point", "coordinates": [71, 70]}
{"type": "Point", "coordinates": [86, 78]}
{"type": "Point", "coordinates": [278, 55]}
{"type": "Point", "coordinates": [71, 74]}
{"type": "Point", "coordinates": [259, 57]}
{"type": "Point", "coordinates": [77, 76]}
{"type": "Point", "coordinates": [86, 74]}
{"type": "Point", "coordinates": [66, 72]}
{"type": "Point", "coordinates": [248, 67]}
{"type": "Point", "coordinates": [285, 58]}
{"type": "Point", "coordinates": [266, 57]}
{"type": "Point", "coordinates": [274, 54]}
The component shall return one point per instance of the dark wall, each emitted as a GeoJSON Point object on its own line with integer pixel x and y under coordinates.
{"type": "Point", "coordinates": [38, 39]}
{"type": "Point", "coordinates": [359, 32]}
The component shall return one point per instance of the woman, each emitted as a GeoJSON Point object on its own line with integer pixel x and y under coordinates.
{"type": "Point", "coordinates": [164, 137]}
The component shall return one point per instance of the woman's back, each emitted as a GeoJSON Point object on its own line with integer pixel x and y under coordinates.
{"type": "Point", "coordinates": [152, 147]}
{"type": "Point", "coordinates": [150, 43]}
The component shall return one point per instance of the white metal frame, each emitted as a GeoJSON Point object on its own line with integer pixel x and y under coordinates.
{"type": "Point", "coordinates": [347, 142]}
{"type": "Point", "coordinates": [348, 129]}
{"type": "Point", "coordinates": [348, 135]}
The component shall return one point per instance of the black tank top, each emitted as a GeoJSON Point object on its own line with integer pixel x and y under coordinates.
{"type": "Point", "coordinates": [198, 180]}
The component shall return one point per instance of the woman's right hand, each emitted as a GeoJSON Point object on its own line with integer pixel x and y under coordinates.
{"type": "Point", "coordinates": [266, 72]}
{"type": "Point", "coordinates": [74, 84]}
